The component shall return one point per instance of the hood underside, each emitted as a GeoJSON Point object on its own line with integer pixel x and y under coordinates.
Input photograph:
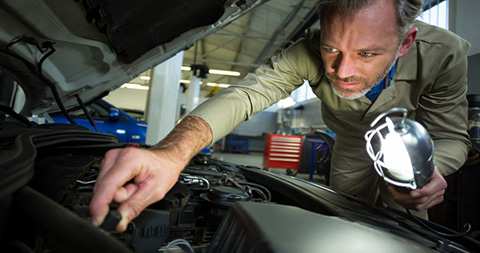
{"type": "Point", "coordinates": [90, 47]}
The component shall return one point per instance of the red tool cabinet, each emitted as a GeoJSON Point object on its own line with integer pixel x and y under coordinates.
{"type": "Point", "coordinates": [282, 151]}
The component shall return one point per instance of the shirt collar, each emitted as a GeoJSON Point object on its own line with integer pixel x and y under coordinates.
{"type": "Point", "coordinates": [407, 65]}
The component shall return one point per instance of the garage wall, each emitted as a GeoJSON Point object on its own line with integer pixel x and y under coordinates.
{"type": "Point", "coordinates": [473, 74]}
{"type": "Point", "coordinates": [464, 20]}
{"type": "Point", "coordinates": [309, 117]}
{"type": "Point", "coordinates": [260, 123]}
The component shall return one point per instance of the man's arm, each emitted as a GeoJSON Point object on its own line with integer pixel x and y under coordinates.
{"type": "Point", "coordinates": [150, 173]}
{"type": "Point", "coordinates": [442, 109]}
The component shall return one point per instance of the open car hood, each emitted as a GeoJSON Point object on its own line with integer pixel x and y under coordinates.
{"type": "Point", "coordinates": [87, 48]}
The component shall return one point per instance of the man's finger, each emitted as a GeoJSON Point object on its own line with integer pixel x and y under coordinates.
{"type": "Point", "coordinates": [144, 195]}
{"type": "Point", "coordinates": [433, 200]}
{"type": "Point", "coordinates": [108, 162]}
{"type": "Point", "coordinates": [125, 192]}
{"type": "Point", "coordinates": [108, 185]}
{"type": "Point", "coordinates": [435, 184]}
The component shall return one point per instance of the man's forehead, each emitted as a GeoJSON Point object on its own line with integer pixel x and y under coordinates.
{"type": "Point", "coordinates": [370, 27]}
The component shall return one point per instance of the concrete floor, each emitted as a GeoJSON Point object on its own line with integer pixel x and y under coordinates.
{"type": "Point", "coordinates": [256, 159]}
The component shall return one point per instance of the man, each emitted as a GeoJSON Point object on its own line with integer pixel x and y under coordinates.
{"type": "Point", "coordinates": [367, 58]}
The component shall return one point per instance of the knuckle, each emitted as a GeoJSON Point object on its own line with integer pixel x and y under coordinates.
{"type": "Point", "coordinates": [129, 151]}
{"type": "Point", "coordinates": [110, 154]}
{"type": "Point", "coordinates": [135, 210]}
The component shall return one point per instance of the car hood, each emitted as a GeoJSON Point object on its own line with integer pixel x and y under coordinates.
{"type": "Point", "coordinates": [58, 50]}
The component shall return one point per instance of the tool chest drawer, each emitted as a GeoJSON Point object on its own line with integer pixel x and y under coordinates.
{"type": "Point", "coordinates": [282, 151]}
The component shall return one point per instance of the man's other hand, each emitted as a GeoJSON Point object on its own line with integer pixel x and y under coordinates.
{"type": "Point", "coordinates": [422, 199]}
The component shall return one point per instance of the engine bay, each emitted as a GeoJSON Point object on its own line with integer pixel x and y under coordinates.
{"type": "Point", "coordinates": [48, 177]}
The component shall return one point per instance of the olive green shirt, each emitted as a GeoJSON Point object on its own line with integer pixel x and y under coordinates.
{"type": "Point", "coordinates": [430, 81]}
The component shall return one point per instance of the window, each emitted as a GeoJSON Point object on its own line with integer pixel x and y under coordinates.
{"type": "Point", "coordinates": [303, 93]}
{"type": "Point", "coordinates": [435, 13]}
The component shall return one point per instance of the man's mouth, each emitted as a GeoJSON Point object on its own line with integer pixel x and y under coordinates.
{"type": "Point", "coordinates": [347, 85]}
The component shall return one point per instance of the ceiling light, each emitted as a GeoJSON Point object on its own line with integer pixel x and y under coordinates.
{"type": "Point", "coordinates": [185, 81]}
{"type": "Point", "coordinates": [145, 77]}
{"type": "Point", "coordinates": [221, 85]}
{"type": "Point", "coordinates": [134, 86]}
{"type": "Point", "coordinates": [224, 72]}
{"type": "Point", "coordinates": [216, 71]}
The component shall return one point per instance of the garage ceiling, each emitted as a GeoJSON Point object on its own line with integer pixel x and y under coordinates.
{"type": "Point", "coordinates": [250, 40]}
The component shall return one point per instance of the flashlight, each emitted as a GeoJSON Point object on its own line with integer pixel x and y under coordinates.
{"type": "Point", "coordinates": [404, 154]}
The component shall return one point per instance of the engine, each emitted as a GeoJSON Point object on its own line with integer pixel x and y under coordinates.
{"type": "Point", "coordinates": [190, 213]}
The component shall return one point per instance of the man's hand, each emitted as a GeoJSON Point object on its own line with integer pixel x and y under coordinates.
{"type": "Point", "coordinates": [422, 199]}
{"type": "Point", "coordinates": [149, 173]}
{"type": "Point", "coordinates": [136, 178]}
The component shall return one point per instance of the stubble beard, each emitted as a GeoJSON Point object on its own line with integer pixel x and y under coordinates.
{"type": "Point", "coordinates": [352, 94]}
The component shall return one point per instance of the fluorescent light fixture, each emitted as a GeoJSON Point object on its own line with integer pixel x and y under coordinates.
{"type": "Point", "coordinates": [286, 102]}
{"type": "Point", "coordinates": [187, 81]}
{"type": "Point", "coordinates": [224, 72]}
{"type": "Point", "coordinates": [134, 86]}
{"type": "Point", "coordinates": [221, 85]}
{"type": "Point", "coordinates": [216, 71]}
{"type": "Point", "coordinates": [145, 77]}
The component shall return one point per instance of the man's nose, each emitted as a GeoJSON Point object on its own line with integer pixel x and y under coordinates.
{"type": "Point", "coordinates": [345, 66]}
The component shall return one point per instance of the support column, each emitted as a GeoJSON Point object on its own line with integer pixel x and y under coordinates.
{"type": "Point", "coordinates": [193, 92]}
{"type": "Point", "coordinates": [162, 101]}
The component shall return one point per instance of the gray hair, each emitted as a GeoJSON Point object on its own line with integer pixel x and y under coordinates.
{"type": "Point", "coordinates": [406, 10]}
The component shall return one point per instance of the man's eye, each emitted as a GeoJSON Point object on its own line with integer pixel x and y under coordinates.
{"type": "Point", "coordinates": [366, 54]}
{"type": "Point", "coordinates": [329, 50]}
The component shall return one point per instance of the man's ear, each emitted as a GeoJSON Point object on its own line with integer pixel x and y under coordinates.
{"type": "Point", "coordinates": [408, 42]}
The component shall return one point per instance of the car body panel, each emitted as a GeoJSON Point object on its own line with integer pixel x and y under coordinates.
{"type": "Point", "coordinates": [124, 126]}
{"type": "Point", "coordinates": [77, 46]}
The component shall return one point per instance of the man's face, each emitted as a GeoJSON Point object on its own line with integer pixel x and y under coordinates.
{"type": "Point", "coordinates": [358, 52]}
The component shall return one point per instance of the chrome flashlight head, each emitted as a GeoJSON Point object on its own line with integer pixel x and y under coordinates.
{"type": "Point", "coordinates": [404, 156]}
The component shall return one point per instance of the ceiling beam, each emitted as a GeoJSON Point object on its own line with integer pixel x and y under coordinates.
{"type": "Point", "coordinates": [280, 28]}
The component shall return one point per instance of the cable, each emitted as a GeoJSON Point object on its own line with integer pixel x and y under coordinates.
{"type": "Point", "coordinates": [182, 244]}
{"type": "Point", "coordinates": [48, 45]}
{"type": "Point", "coordinates": [51, 85]}
{"type": "Point", "coordinates": [466, 228]}
{"type": "Point", "coordinates": [86, 182]}
{"type": "Point", "coordinates": [8, 110]}
{"type": "Point", "coordinates": [85, 111]}
{"type": "Point", "coordinates": [259, 192]}
{"type": "Point", "coordinates": [269, 194]}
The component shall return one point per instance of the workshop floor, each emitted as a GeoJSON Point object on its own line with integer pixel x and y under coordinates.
{"type": "Point", "coordinates": [256, 159]}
